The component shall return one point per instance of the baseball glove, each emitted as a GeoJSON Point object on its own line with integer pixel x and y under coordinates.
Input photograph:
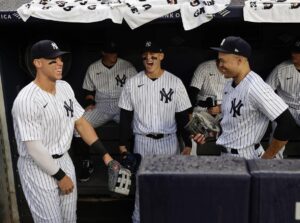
{"type": "Point", "coordinates": [204, 123]}
{"type": "Point", "coordinates": [131, 161]}
{"type": "Point", "coordinates": [118, 178]}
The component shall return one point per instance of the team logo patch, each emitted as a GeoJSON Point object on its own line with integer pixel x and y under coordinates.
{"type": "Point", "coordinates": [236, 108]}
{"type": "Point", "coordinates": [69, 108]}
{"type": "Point", "coordinates": [120, 81]}
{"type": "Point", "coordinates": [164, 96]}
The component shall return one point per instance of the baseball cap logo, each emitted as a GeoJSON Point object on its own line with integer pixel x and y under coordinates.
{"type": "Point", "coordinates": [54, 46]}
{"type": "Point", "coordinates": [236, 50]}
{"type": "Point", "coordinates": [223, 41]}
{"type": "Point", "coordinates": [148, 44]}
{"type": "Point", "coordinates": [297, 44]}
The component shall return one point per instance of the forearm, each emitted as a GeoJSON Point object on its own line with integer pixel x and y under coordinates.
{"type": "Point", "coordinates": [125, 128]}
{"type": "Point", "coordinates": [274, 147]}
{"type": "Point", "coordinates": [182, 118]}
{"type": "Point", "coordinates": [41, 157]}
{"type": "Point", "coordinates": [86, 131]}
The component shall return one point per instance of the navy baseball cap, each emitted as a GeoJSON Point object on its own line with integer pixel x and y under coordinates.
{"type": "Point", "coordinates": [150, 46]}
{"type": "Point", "coordinates": [110, 47]}
{"type": "Point", "coordinates": [46, 49]}
{"type": "Point", "coordinates": [296, 46]}
{"type": "Point", "coordinates": [234, 45]}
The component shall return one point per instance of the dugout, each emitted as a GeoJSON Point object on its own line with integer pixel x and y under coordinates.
{"type": "Point", "coordinates": [184, 50]}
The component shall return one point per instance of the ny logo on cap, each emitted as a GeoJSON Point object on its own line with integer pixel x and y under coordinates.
{"type": "Point", "coordinates": [54, 46]}
{"type": "Point", "coordinates": [297, 44]}
{"type": "Point", "coordinates": [148, 44]}
{"type": "Point", "coordinates": [223, 41]}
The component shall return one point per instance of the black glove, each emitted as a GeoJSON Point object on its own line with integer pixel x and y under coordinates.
{"type": "Point", "coordinates": [131, 161]}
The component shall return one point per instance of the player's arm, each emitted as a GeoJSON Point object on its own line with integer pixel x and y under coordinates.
{"type": "Point", "coordinates": [285, 129]}
{"type": "Point", "coordinates": [182, 118]}
{"type": "Point", "coordinates": [89, 136]}
{"type": "Point", "coordinates": [44, 160]}
{"type": "Point", "coordinates": [125, 129]}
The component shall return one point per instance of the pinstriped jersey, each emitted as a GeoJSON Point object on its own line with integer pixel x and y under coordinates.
{"type": "Point", "coordinates": [108, 82]}
{"type": "Point", "coordinates": [154, 102]}
{"type": "Point", "coordinates": [285, 78]}
{"type": "Point", "coordinates": [39, 115]}
{"type": "Point", "coordinates": [209, 80]}
{"type": "Point", "coordinates": [246, 110]}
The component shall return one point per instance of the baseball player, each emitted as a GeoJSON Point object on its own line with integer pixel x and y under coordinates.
{"type": "Point", "coordinates": [103, 83]}
{"type": "Point", "coordinates": [285, 79]}
{"type": "Point", "coordinates": [156, 103]}
{"type": "Point", "coordinates": [248, 105]}
{"type": "Point", "coordinates": [206, 90]}
{"type": "Point", "coordinates": [45, 113]}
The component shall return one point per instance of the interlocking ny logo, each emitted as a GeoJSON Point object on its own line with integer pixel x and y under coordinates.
{"type": "Point", "coordinates": [120, 81]}
{"type": "Point", "coordinates": [69, 108]}
{"type": "Point", "coordinates": [148, 43]}
{"type": "Point", "coordinates": [165, 95]}
{"type": "Point", "coordinates": [54, 46]}
{"type": "Point", "coordinates": [236, 108]}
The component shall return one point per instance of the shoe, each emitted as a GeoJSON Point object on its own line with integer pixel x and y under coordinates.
{"type": "Point", "coordinates": [86, 170]}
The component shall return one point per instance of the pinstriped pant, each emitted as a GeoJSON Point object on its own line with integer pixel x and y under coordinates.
{"type": "Point", "coordinates": [145, 146]}
{"type": "Point", "coordinates": [43, 196]}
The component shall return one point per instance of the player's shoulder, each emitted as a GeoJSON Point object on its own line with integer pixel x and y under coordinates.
{"type": "Point", "coordinates": [284, 65]}
{"type": "Point", "coordinates": [206, 66]}
{"type": "Point", "coordinates": [96, 63]}
{"type": "Point", "coordinates": [27, 95]}
{"type": "Point", "coordinates": [62, 83]}
{"type": "Point", "coordinates": [124, 63]}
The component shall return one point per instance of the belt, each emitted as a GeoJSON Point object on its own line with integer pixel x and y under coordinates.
{"type": "Point", "coordinates": [157, 136]}
{"type": "Point", "coordinates": [235, 151]}
{"type": "Point", "coordinates": [57, 156]}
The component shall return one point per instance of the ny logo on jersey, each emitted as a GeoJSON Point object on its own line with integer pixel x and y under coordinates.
{"type": "Point", "coordinates": [165, 95]}
{"type": "Point", "coordinates": [69, 108]}
{"type": "Point", "coordinates": [120, 81]}
{"type": "Point", "coordinates": [236, 108]}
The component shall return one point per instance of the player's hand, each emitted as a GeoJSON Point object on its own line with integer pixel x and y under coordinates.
{"type": "Point", "coordinates": [90, 108]}
{"type": "Point", "coordinates": [199, 138]}
{"type": "Point", "coordinates": [66, 185]}
{"type": "Point", "coordinates": [186, 151]}
{"type": "Point", "coordinates": [214, 110]}
{"type": "Point", "coordinates": [266, 155]}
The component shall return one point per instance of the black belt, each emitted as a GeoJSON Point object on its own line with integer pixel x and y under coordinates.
{"type": "Point", "coordinates": [57, 156]}
{"type": "Point", "coordinates": [156, 136]}
{"type": "Point", "coordinates": [235, 151]}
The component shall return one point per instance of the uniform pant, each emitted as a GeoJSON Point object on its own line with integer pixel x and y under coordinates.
{"type": "Point", "coordinates": [43, 196]}
{"type": "Point", "coordinates": [146, 146]}
{"type": "Point", "coordinates": [248, 153]}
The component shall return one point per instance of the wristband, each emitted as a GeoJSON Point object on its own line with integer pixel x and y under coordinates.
{"type": "Point", "coordinates": [98, 146]}
{"type": "Point", "coordinates": [59, 174]}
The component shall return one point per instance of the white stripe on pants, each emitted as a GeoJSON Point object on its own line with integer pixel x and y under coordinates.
{"type": "Point", "coordinates": [43, 196]}
{"type": "Point", "coordinates": [144, 145]}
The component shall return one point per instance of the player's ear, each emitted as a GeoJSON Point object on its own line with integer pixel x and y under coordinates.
{"type": "Point", "coordinates": [37, 63]}
{"type": "Point", "coordinates": [161, 56]}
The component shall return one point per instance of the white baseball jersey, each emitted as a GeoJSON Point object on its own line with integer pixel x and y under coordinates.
{"type": "Point", "coordinates": [108, 84]}
{"type": "Point", "coordinates": [246, 110]}
{"type": "Point", "coordinates": [209, 80]}
{"type": "Point", "coordinates": [285, 78]}
{"type": "Point", "coordinates": [38, 115]}
{"type": "Point", "coordinates": [154, 104]}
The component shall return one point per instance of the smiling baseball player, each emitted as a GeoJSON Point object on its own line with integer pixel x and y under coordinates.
{"type": "Point", "coordinates": [248, 105]}
{"type": "Point", "coordinates": [45, 113]}
{"type": "Point", "coordinates": [156, 103]}
{"type": "Point", "coordinates": [285, 79]}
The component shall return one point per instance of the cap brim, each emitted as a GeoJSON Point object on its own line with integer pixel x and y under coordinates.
{"type": "Point", "coordinates": [57, 54]}
{"type": "Point", "coordinates": [220, 50]}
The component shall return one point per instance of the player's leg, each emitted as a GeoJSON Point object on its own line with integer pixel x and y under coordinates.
{"type": "Point", "coordinates": [145, 145]}
{"type": "Point", "coordinates": [41, 192]}
{"type": "Point", "coordinates": [68, 203]}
